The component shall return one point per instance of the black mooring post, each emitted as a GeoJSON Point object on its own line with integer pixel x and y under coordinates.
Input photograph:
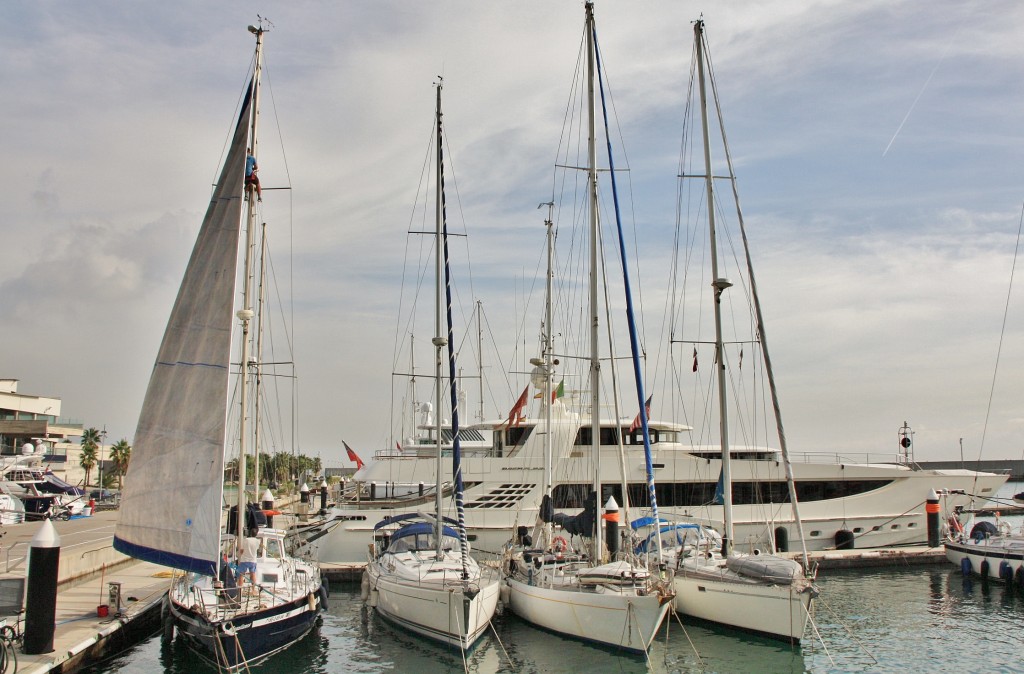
{"type": "Point", "coordinates": [931, 509]}
{"type": "Point", "coordinates": [41, 599]}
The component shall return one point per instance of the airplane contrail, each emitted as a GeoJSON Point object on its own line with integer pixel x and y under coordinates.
{"type": "Point", "coordinates": [919, 94]}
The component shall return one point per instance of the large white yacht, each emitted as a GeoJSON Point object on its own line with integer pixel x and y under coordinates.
{"type": "Point", "coordinates": [842, 504]}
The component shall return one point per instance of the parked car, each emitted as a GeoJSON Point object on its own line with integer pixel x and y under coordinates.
{"type": "Point", "coordinates": [101, 494]}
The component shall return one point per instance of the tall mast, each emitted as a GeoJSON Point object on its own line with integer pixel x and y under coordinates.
{"type": "Point", "coordinates": [548, 362]}
{"type": "Point", "coordinates": [245, 314]}
{"type": "Point", "coordinates": [439, 340]}
{"type": "Point", "coordinates": [719, 284]}
{"type": "Point", "coordinates": [595, 360]}
{"type": "Point", "coordinates": [480, 354]}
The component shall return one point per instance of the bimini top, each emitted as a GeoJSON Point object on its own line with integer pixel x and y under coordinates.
{"type": "Point", "coordinates": [394, 519]}
{"type": "Point", "coordinates": [420, 529]}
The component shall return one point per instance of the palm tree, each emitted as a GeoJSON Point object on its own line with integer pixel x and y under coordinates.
{"type": "Point", "coordinates": [121, 454]}
{"type": "Point", "coordinates": [90, 444]}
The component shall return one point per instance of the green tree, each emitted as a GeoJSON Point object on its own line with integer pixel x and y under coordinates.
{"type": "Point", "coordinates": [90, 446]}
{"type": "Point", "coordinates": [121, 454]}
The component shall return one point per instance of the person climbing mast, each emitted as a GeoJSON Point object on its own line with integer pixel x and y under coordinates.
{"type": "Point", "coordinates": [250, 174]}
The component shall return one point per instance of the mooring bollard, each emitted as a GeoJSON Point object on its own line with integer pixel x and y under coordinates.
{"type": "Point", "coordinates": [323, 496]}
{"type": "Point", "coordinates": [611, 525]}
{"type": "Point", "coordinates": [41, 598]}
{"type": "Point", "coordinates": [931, 508]}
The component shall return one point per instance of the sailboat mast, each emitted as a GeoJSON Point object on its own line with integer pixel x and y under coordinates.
{"type": "Point", "coordinates": [595, 360]}
{"type": "Point", "coordinates": [720, 284]}
{"type": "Point", "coordinates": [480, 354]}
{"type": "Point", "coordinates": [548, 363]}
{"type": "Point", "coordinates": [245, 314]}
{"type": "Point", "coordinates": [439, 340]}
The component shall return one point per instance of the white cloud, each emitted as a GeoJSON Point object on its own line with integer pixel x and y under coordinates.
{"type": "Point", "coordinates": [884, 278]}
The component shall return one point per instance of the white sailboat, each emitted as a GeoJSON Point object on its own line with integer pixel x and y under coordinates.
{"type": "Point", "coordinates": [618, 603]}
{"type": "Point", "coordinates": [172, 501]}
{"type": "Point", "coordinates": [760, 593]}
{"type": "Point", "coordinates": [419, 574]}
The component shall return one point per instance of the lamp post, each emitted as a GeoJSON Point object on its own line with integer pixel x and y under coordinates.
{"type": "Point", "coordinates": [103, 441]}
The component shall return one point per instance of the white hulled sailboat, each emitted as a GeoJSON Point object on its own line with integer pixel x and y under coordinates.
{"type": "Point", "coordinates": [617, 603]}
{"type": "Point", "coordinates": [419, 574]}
{"type": "Point", "coordinates": [760, 593]}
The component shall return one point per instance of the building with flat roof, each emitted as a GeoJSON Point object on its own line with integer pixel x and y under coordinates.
{"type": "Point", "coordinates": [36, 420]}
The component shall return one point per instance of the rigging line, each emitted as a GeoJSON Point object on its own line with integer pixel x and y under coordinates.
{"type": "Point", "coordinates": [693, 647]}
{"type": "Point", "coordinates": [267, 85]}
{"type": "Point", "coordinates": [999, 349]}
{"type": "Point", "coordinates": [462, 217]}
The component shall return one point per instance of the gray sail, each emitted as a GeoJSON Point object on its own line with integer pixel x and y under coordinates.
{"type": "Point", "coordinates": [172, 500]}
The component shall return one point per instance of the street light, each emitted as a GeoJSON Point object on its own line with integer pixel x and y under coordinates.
{"type": "Point", "coordinates": [103, 440]}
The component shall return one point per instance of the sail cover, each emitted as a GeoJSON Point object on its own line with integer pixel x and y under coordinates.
{"type": "Point", "coordinates": [171, 504]}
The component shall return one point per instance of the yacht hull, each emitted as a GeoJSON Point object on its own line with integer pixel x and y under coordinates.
{"type": "Point", "coordinates": [774, 611]}
{"type": "Point", "coordinates": [997, 558]}
{"type": "Point", "coordinates": [247, 638]}
{"type": "Point", "coordinates": [891, 515]}
{"type": "Point", "coordinates": [620, 619]}
{"type": "Point", "coordinates": [442, 612]}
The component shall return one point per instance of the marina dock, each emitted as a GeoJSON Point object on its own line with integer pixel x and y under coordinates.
{"type": "Point", "coordinates": [88, 566]}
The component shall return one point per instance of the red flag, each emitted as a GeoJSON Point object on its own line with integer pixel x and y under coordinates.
{"type": "Point", "coordinates": [513, 416]}
{"type": "Point", "coordinates": [636, 422]}
{"type": "Point", "coordinates": [398, 445]}
{"type": "Point", "coordinates": [694, 359]}
{"type": "Point", "coordinates": [352, 456]}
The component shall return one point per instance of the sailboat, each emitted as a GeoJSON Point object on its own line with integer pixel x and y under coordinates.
{"type": "Point", "coordinates": [618, 603]}
{"type": "Point", "coordinates": [760, 593]}
{"type": "Point", "coordinates": [172, 501]}
{"type": "Point", "coordinates": [419, 574]}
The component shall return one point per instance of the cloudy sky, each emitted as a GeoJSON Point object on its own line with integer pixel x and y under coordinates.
{"type": "Point", "coordinates": [878, 146]}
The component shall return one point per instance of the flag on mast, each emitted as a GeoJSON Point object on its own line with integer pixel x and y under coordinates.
{"type": "Point", "coordinates": [352, 456]}
{"type": "Point", "coordinates": [636, 422]}
{"type": "Point", "coordinates": [513, 416]}
{"type": "Point", "coordinates": [558, 392]}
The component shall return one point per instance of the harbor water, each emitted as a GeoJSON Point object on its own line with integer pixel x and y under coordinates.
{"type": "Point", "coordinates": [911, 619]}
{"type": "Point", "coordinates": [887, 620]}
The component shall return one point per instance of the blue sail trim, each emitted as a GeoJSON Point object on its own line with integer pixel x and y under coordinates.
{"type": "Point", "coordinates": [634, 342]}
{"type": "Point", "coordinates": [201, 566]}
{"type": "Point", "coordinates": [186, 364]}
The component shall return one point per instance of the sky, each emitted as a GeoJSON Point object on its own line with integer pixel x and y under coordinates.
{"type": "Point", "coordinates": [878, 146]}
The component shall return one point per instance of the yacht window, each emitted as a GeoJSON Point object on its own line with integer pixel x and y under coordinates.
{"type": "Point", "coordinates": [517, 435]}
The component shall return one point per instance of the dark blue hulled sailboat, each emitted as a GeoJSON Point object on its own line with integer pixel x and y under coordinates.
{"type": "Point", "coordinates": [172, 502]}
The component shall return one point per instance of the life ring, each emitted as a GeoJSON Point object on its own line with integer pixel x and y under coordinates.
{"type": "Point", "coordinates": [559, 544]}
